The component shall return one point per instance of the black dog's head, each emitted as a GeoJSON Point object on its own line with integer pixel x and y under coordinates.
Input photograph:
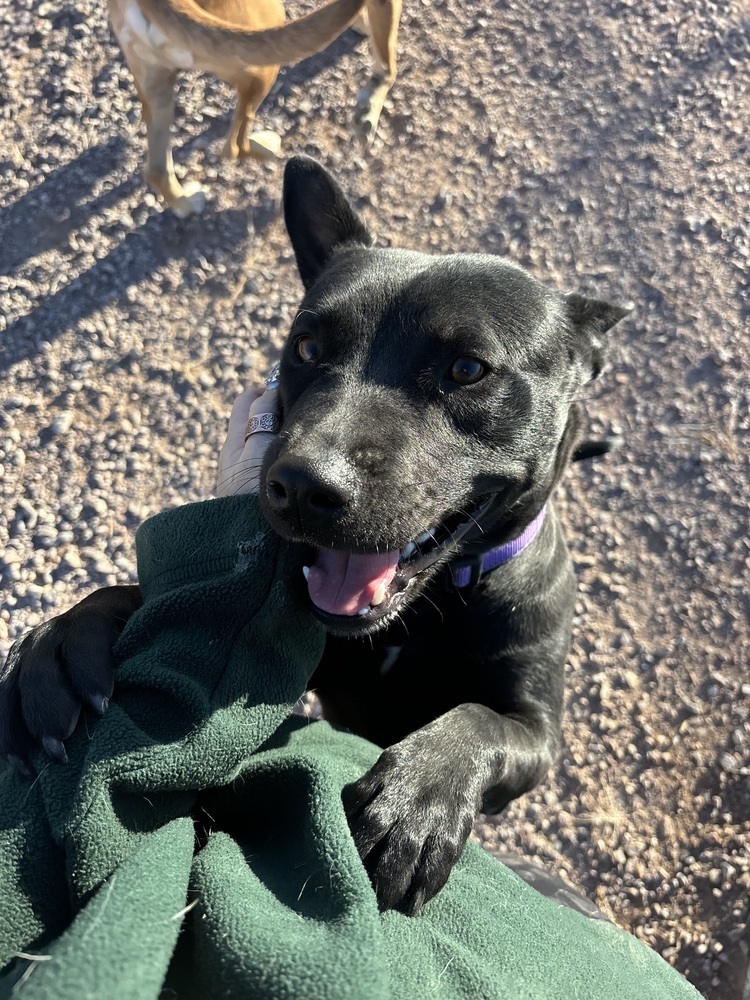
{"type": "Point", "coordinates": [423, 398]}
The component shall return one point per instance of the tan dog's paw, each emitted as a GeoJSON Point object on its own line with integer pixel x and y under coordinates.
{"type": "Point", "coordinates": [191, 202]}
{"type": "Point", "coordinates": [230, 150]}
{"type": "Point", "coordinates": [366, 125]}
{"type": "Point", "coordinates": [367, 115]}
{"type": "Point", "coordinates": [265, 145]}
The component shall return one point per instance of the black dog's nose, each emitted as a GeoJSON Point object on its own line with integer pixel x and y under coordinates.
{"type": "Point", "coordinates": [296, 485]}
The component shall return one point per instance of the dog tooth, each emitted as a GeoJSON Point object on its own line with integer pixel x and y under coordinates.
{"type": "Point", "coordinates": [379, 596]}
{"type": "Point", "coordinates": [306, 572]}
{"type": "Point", "coordinates": [364, 611]}
{"type": "Point", "coordinates": [411, 547]}
{"type": "Point", "coordinates": [426, 536]}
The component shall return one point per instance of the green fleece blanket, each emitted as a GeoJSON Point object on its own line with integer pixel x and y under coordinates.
{"type": "Point", "coordinates": [195, 845]}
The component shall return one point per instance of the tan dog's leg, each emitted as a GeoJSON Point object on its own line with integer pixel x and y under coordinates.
{"type": "Point", "coordinates": [383, 17]}
{"type": "Point", "coordinates": [251, 91]}
{"type": "Point", "coordinates": [155, 86]}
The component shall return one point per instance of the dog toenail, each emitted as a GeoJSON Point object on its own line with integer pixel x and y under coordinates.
{"type": "Point", "coordinates": [55, 749]}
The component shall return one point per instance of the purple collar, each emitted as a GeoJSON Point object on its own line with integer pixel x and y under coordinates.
{"type": "Point", "coordinates": [468, 572]}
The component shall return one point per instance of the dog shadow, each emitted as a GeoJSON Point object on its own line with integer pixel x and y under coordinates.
{"type": "Point", "coordinates": [162, 238]}
{"type": "Point", "coordinates": [31, 225]}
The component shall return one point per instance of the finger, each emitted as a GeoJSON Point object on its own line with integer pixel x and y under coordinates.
{"type": "Point", "coordinates": [267, 402]}
{"type": "Point", "coordinates": [257, 441]}
{"type": "Point", "coordinates": [271, 400]}
{"type": "Point", "coordinates": [238, 419]}
{"type": "Point", "coordinates": [242, 455]}
{"type": "Point", "coordinates": [231, 450]}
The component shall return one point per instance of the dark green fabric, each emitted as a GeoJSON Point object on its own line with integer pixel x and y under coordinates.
{"type": "Point", "coordinates": [196, 844]}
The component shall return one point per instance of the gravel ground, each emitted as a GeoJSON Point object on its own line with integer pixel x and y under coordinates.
{"type": "Point", "coordinates": [601, 143]}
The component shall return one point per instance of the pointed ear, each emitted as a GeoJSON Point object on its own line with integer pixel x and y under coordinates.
{"type": "Point", "coordinates": [318, 217]}
{"type": "Point", "coordinates": [590, 319]}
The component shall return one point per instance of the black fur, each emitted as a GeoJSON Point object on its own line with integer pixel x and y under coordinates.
{"type": "Point", "coordinates": [417, 393]}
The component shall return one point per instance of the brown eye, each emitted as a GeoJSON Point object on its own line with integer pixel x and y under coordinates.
{"type": "Point", "coordinates": [466, 371]}
{"type": "Point", "coordinates": [307, 349]}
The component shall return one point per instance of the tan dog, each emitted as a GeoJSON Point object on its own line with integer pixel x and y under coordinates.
{"type": "Point", "coordinates": [243, 42]}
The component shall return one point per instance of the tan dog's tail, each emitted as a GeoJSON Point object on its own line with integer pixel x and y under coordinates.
{"type": "Point", "coordinates": [190, 26]}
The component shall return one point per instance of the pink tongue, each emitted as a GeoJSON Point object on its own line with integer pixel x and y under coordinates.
{"type": "Point", "coordinates": [343, 583]}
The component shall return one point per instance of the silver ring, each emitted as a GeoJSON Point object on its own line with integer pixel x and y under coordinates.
{"type": "Point", "coordinates": [267, 423]}
{"type": "Point", "coordinates": [272, 382]}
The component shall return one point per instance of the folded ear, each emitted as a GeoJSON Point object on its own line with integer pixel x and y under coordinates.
{"type": "Point", "coordinates": [318, 216]}
{"type": "Point", "coordinates": [590, 320]}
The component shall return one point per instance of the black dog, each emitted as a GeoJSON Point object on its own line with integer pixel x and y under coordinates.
{"type": "Point", "coordinates": [428, 413]}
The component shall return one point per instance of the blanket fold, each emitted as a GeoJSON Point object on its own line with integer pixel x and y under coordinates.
{"type": "Point", "coordinates": [196, 846]}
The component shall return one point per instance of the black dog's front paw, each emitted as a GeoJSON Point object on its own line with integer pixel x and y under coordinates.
{"type": "Point", "coordinates": [410, 824]}
{"type": "Point", "coordinates": [55, 669]}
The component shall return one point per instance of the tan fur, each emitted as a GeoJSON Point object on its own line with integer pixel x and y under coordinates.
{"type": "Point", "coordinates": [243, 42]}
{"type": "Point", "coordinates": [382, 19]}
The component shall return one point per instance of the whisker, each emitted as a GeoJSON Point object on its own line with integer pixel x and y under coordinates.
{"type": "Point", "coordinates": [435, 606]}
{"type": "Point", "coordinates": [400, 618]}
{"type": "Point", "coordinates": [31, 787]}
{"type": "Point", "coordinates": [242, 471]}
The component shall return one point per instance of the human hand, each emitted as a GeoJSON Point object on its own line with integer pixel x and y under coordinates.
{"type": "Point", "coordinates": [242, 453]}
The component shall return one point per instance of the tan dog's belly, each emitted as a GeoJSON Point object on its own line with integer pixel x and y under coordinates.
{"type": "Point", "coordinates": [148, 42]}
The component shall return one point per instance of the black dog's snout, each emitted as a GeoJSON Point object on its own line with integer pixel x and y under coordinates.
{"type": "Point", "coordinates": [297, 486]}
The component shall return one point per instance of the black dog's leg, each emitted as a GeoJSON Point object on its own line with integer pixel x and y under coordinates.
{"type": "Point", "coordinates": [55, 669]}
{"type": "Point", "coordinates": [467, 700]}
{"type": "Point", "coordinates": [411, 814]}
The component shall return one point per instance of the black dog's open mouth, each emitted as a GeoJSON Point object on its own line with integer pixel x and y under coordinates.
{"type": "Point", "coordinates": [353, 592]}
